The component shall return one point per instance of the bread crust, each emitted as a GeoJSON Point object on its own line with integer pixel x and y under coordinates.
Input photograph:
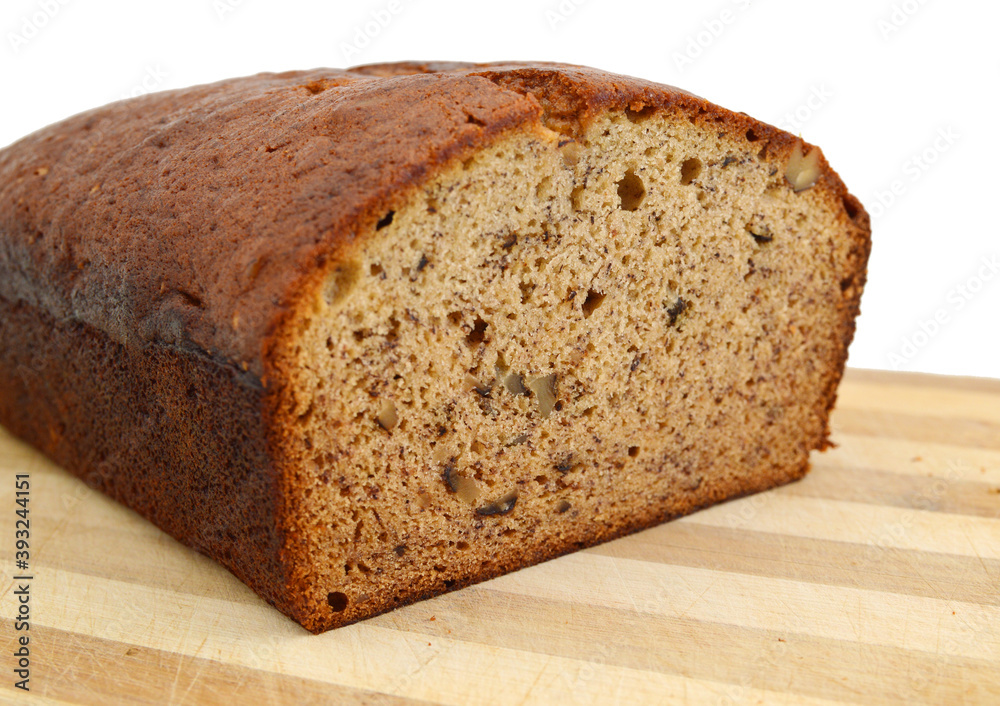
{"type": "Point", "coordinates": [176, 239]}
{"type": "Point", "coordinates": [172, 434]}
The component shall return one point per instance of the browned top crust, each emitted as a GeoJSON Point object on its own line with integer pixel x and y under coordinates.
{"type": "Point", "coordinates": [192, 218]}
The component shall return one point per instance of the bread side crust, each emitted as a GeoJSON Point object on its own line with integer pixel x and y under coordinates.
{"type": "Point", "coordinates": [174, 435]}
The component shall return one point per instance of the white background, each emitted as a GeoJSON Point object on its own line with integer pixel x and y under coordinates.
{"type": "Point", "coordinates": [900, 94]}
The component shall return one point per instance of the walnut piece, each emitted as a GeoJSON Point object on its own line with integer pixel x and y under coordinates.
{"type": "Point", "coordinates": [802, 171]}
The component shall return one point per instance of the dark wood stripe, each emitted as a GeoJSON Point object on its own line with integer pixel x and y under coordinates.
{"type": "Point", "coordinates": [203, 577]}
{"type": "Point", "coordinates": [867, 485]}
{"type": "Point", "coordinates": [826, 562]}
{"type": "Point", "coordinates": [911, 380]}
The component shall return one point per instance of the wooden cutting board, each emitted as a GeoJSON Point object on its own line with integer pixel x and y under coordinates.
{"type": "Point", "coordinates": [875, 579]}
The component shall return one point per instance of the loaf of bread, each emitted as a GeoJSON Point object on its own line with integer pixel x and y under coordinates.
{"type": "Point", "coordinates": [367, 336]}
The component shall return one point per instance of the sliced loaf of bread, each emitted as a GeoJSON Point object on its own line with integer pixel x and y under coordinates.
{"type": "Point", "coordinates": [367, 336]}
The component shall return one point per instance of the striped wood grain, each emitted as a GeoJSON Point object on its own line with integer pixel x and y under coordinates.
{"type": "Point", "coordinates": [876, 579]}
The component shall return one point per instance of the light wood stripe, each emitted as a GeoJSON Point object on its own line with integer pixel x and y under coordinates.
{"type": "Point", "coordinates": [926, 459]}
{"type": "Point", "coordinates": [952, 404]}
{"type": "Point", "coordinates": [10, 695]}
{"type": "Point", "coordinates": [75, 665]}
{"type": "Point", "coordinates": [872, 527]}
{"type": "Point", "coordinates": [875, 579]}
{"type": "Point", "coordinates": [917, 428]}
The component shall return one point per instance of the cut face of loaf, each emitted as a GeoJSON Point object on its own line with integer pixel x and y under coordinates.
{"type": "Point", "coordinates": [608, 314]}
{"type": "Point", "coordinates": [560, 340]}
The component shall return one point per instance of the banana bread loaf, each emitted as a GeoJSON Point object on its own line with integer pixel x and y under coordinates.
{"type": "Point", "coordinates": [367, 336]}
